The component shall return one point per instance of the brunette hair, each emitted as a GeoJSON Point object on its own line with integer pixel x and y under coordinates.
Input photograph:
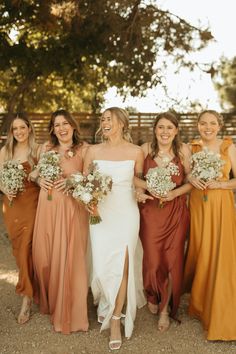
{"type": "Point", "coordinates": [122, 116]}
{"type": "Point", "coordinates": [73, 123]}
{"type": "Point", "coordinates": [11, 142]}
{"type": "Point", "coordinates": [176, 144]}
{"type": "Point", "coordinates": [217, 115]}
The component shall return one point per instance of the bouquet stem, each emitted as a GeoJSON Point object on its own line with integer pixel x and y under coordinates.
{"type": "Point", "coordinates": [94, 217]}
{"type": "Point", "coordinates": [10, 203]}
{"type": "Point", "coordinates": [50, 194]}
{"type": "Point", "coordinates": [205, 196]}
{"type": "Point", "coordinates": [161, 204]}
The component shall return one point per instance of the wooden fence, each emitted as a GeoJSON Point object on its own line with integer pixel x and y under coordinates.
{"type": "Point", "coordinates": [140, 123]}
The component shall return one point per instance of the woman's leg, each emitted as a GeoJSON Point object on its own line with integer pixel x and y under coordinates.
{"type": "Point", "coordinates": [164, 320]}
{"type": "Point", "coordinates": [115, 333]}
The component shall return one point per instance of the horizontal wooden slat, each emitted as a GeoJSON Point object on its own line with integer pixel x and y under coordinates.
{"type": "Point", "coordinates": [140, 124]}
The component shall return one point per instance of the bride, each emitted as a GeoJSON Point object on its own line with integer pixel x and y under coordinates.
{"type": "Point", "coordinates": [114, 242]}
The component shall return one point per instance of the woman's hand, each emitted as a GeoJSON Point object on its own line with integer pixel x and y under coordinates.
{"type": "Point", "coordinates": [197, 183]}
{"type": "Point", "coordinates": [61, 185]}
{"type": "Point", "coordinates": [142, 197]}
{"type": "Point", "coordinates": [214, 184]}
{"type": "Point", "coordinates": [44, 183]}
{"type": "Point", "coordinates": [171, 195]}
{"type": "Point", "coordinates": [10, 197]}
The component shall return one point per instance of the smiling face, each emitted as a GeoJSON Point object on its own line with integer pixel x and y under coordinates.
{"type": "Point", "coordinates": [165, 132]}
{"type": "Point", "coordinates": [208, 127]}
{"type": "Point", "coordinates": [20, 130]}
{"type": "Point", "coordinates": [63, 130]}
{"type": "Point", "coordinates": [111, 125]}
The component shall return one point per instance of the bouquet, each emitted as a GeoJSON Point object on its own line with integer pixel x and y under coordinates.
{"type": "Point", "coordinates": [159, 179]}
{"type": "Point", "coordinates": [90, 190]}
{"type": "Point", "coordinates": [12, 177]}
{"type": "Point", "coordinates": [206, 165]}
{"type": "Point", "coordinates": [49, 167]}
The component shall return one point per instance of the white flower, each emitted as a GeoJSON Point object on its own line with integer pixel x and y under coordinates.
{"type": "Point", "coordinates": [20, 167]}
{"type": "Point", "coordinates": [70, 153]}
{"type": "Point", "coordinates": [86, 198]}
{"type": "Point", "coordinates": [206, 165]}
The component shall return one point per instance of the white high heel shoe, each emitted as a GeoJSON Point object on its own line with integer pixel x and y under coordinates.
{"type": "Point", "coordinates": [116, 343]}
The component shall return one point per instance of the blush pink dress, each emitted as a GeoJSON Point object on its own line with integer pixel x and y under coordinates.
{"type": "Point", "coordinates": [59, 255]}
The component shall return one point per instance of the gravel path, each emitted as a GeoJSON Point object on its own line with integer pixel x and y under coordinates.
{"type": "Point", "coordinates": [37, 336]}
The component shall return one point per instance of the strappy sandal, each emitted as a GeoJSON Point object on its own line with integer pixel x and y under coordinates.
{"type": "Point", "coordinates": [116, 343]}
{"type": "Point", "coordinates": [164, 322]}
{"type": "Point", "coordinates": [24, 315]}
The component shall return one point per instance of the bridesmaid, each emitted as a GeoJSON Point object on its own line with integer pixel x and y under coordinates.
{"type": "Point", "coordinates": [19, 218]}
{"type": "Point", "coordinates": [163, 229]}
{"type": "Point", "coordinates": [210, 270]}
{"type": "Point", "coordinates": [60, 235]}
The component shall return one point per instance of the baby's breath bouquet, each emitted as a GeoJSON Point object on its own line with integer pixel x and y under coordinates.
{"type": "Point", "coordinates": [159, 179]}
{"type": "Point", "coordinates": [206, 165]}
{"type": "Point", "coordinates": [90, 190]}
{"type": "Point", "coordinates": [12, 177]}
{"type": "Point", "coordinates": [49, 167]}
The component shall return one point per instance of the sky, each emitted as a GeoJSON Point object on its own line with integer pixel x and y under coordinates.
{"type": "Point", "coordinates": [219, 16]}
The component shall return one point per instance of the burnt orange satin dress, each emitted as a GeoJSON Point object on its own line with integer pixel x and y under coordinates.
{"type": "Point", "coordinates": [59, 256]}
{"type": "Point", "coordinates": [210, 270]}
{"type": "Point", "coordinates": [163, 233]}
{"type": "Point", "coordinates": [19, 221]}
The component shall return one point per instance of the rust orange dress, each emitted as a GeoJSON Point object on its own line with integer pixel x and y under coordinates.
{"type": "Point", "coordinates": [210, 270]}
{"type": "Point", "coordinates": [163, 233]}
{"type": "Point", "coordinates": [19, 221]}
{"type": "Point", "coordinates": [59, 255]}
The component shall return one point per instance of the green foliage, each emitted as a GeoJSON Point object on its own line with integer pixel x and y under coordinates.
{"type": "Point", "coordinates": [67, 53]}
{"type": "Point", "coordinates": [225, 83]}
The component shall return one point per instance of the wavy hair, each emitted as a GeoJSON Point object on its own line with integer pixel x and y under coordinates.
{"type": "Point", "coordinates": [176, 143]}
{"type": "Point", "coordinates": [123, 117]}
{"type": "Point", "coordinates": [73, 123]}
{"type": "Point", "coordinates": [11, 142]}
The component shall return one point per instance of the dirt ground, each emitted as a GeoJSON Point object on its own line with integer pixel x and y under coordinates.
{"type": "Point", "coordinates": [38, 337]}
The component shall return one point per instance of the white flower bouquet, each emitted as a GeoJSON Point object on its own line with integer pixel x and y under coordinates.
{"type": "Point", "coordinates": [206, 165]}
{"type": "Point", "coordinates": [49, 167]}
{"type": "Point", "coordinates": [159, 179]}
{"type": "Point", "coordinates": [90, 190]}
{"type": "Point", "coordinates": [12, 176]}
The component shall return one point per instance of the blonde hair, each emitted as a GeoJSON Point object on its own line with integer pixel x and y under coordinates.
{"type": "Point", "coordinates": [11, 142]}
{"type": "Point", "coordinates": [217, 115]}
{"type": "Point", "coordinates": [123, 117]}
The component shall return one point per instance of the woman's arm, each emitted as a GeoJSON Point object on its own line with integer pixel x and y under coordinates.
{"type": "Point", "coordinates": [231, 184]}
{"type": "Point", "coordinates": [139, 183]}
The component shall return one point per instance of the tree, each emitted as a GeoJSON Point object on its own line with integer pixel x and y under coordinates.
{"type": "Point", "coordinates": [67, 53]}
{"type": "Point", "coordinates": [225, 83]}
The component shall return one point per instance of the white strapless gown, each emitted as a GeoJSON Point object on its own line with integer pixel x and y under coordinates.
{"type": "Point", "coordinates": [117, 232]}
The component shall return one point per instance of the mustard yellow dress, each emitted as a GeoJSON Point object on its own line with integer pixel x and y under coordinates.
{"type": "Point", "coordinates": [210, 269]}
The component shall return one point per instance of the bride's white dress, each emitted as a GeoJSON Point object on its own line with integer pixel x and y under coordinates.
{"type": "Point", "coordinates": [117, 232]}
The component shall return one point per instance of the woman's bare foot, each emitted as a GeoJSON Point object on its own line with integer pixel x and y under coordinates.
{"type": "Point", "coordinates": [164, 321]}
{"type": "Point", "coordinates": [24, 315]}
{"type": "Point", "coordinates": [153, 308]}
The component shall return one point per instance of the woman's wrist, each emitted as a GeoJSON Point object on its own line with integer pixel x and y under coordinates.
{"type": "Point", "coordinates": [37, 180]}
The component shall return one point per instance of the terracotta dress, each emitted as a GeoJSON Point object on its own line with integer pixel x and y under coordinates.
{"type": "Point", "coordinates": [59, 256]}
{"type": "Point", "coordinates": [210, 270]}
{"type": "Point", "coordinates": [19, 221]}
{"type": "Point", "coordinates": [163, 232]}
